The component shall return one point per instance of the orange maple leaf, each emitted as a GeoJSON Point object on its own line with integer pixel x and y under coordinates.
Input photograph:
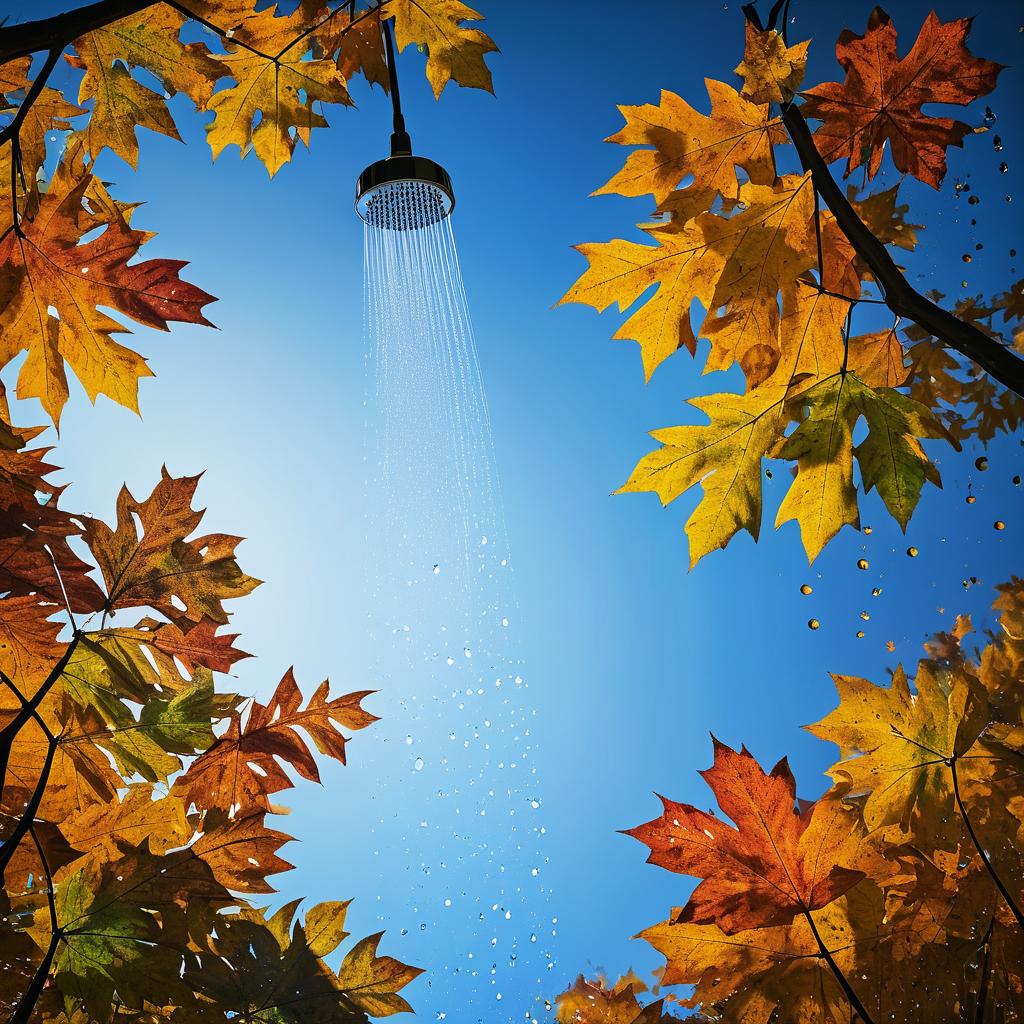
{"type": "Point", "coordinates": [779, 861]}
{"type": "Point", "coordinates": [881, 99]}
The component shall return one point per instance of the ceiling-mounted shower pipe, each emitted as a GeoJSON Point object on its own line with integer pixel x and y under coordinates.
{"type": "Point", "coordinates": [402, 192]}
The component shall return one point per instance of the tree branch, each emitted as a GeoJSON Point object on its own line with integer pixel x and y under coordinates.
{"type": "Point", "coordinates": [61, 29]}
{"type": "Point", "coordinates": [999, 362]}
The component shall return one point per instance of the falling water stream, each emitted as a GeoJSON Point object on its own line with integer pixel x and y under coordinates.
{"type": "Point", "coordinates": [444, 621]}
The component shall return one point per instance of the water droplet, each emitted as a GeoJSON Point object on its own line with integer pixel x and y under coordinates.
{"type": "Point", "coordinates": [974, 200]}
{"type": "Point", "coordinates": [875, 591]}
{"type": "Point", "coordinates": [806, 588]}
{"type": "Point", "coordinates": [1016, 481]}
{"type": "Point", "coordinates": [813, 624]}
{"type": "Point", "coordinates": [418, 764]}
{"type": "Point", "coordinates": [867, 529]}
{"type": "Point", "coordinates": [860, 634]}
{"type": "Point", "coordinates": [437, 570]}
{"type": "Point", "coordinates": [865, 616]}
{"type": "Point", "coordinates": [862, 563]}
{"type": "Point", "coordinates": [999, 525]}
{"type": "Point", "coordinates": [981, 463]}
{"type": "Point", "coordinates": [997, 144]}
{"type": "Point", "coordinates": [966, 257]}
{"type": "Point", "coordinates": [912, 551]}
{"type": "Point", "coordinates": [1004, 167]}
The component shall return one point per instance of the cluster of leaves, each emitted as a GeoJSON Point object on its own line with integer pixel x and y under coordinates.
{"type": "Point", "coordinates": [747, 257]}
{"type": "Point", "coordinates": [66, 245]}
{"type": "Point", "coordinates": [136, 823]}
{"type": "Point", "coordinates": [136, 799]}
{"type": "Point", "coordinates": [895, 896]}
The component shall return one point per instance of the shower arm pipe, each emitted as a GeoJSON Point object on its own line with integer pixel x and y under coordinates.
{"type": "Point", "coordinates": [401, 143]}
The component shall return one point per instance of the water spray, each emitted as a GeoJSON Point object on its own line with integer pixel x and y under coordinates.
{"type": "Point", "coordinates": [404, 191]}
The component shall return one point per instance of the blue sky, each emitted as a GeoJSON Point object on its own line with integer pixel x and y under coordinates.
{"type": "Point", "coordinates": [630, 659]}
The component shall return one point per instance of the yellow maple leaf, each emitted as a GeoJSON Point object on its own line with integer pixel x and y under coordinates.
{"type": "Point", "coordinates": [454, 53]}
{"type": "Point", "coordinates": [730, 264]}
{"type": "Point", "coordinates": [771, 71]}
{"type": "Point", "coordinates": [150, 40]}
{"type": "Point", "coordinates": [271, 105]}
{"type": "Point", "coordinates": [684, 141]}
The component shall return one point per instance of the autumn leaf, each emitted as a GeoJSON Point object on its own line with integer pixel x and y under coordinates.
{"type": "Point", "coordinates": [736, 262]}
{"type": "Point", "coordinates": [896, 743]}
{"type": "Point", "coordinates": [880, 101]}
{"type": "Point", "coordinates": [454, 53]}
{"type": "Point", "coordinates": [758, 973]}
{"type": "Point", "coordinates": [28, 641]}
{"type": "Point", "coordinates": [775, 863]}
{"type": "Point", "coordinates": [724, 457]}
{"type": "Point", "coordinates": [737, 133]}
{"type": "Point", "coordinates": [823, 497]}
{"type": "Point", "coordinates": [149, 40]}
{"type": "Point", "coordinates": [51, 283]}
{"type": "Point", "coordinates": [271, 105]}
{"type": "Point", "coordinates": [597, 1003]}
{"type": "Point", "coordinates": [161, 567]}
{"type": "Point", "coordinates": [373, 982]}
{"type": "Point", "coordinates": [359, 46]}
{"type": "Point", "coordinates": [771, 70]}
{"type": "Point", "coordinates": [241, 768]}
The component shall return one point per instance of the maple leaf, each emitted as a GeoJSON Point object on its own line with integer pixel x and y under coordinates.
{"type": "Point", "coordinates": [771, 71]}
{"type": "Point", "coordinates": [823, 497]}
{"type": "Point", "coordinates": [736, 262]}
{"type": "Point", "coordinates": [710, 147]}
{"type": "Point", "coordinates": [241, 768]}
{"type": "Point", "coordinates": [775, 863]}
{"type": "Point", "coordinates": [372, 982]}
{"type": "Point", "coordinates": [881, 99]}
{"type": "Point", "coordinates": [185, 579]}
{"type": "Point", "coordinates": [359, 46]}
{"type": "Point", "coordinates": [896, 743]}
{"type": "Point", "coordinates": [149, 40]}
{"type": "Point", "coordinates": [884, 219]}
{"type": "Point", "coordinates": [755, 975]}
{"type": "Point", "coordinates": [28, 641]}
{"type": "Point", "coordinates": [241, 851]}
{"type": "Point", "coordinates": [47, 267]}
{"type": "Point", "coordinates": [724, 457]}
{"type": "Point", "coordinates": [454, 53]}
{"type": "Point", "coordinates": [271, 106]}
{"type": "Point", "coordinates": [594, 1003]}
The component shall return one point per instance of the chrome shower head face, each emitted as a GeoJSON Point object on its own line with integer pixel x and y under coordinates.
{"type": "Point", "coordinates": [403, 193]}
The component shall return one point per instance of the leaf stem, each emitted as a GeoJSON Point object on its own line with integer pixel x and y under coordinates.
{"type": "Point", "coordinates": [1003, 891]}
{"type": "Point", "coordinates": [852, 997]}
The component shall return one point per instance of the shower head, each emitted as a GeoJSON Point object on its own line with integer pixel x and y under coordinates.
{"type": "Point", "coordinates": [404, 192]}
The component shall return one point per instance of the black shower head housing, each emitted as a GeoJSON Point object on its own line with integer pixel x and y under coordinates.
{"type": "Point", "coordinates": [402, 192]}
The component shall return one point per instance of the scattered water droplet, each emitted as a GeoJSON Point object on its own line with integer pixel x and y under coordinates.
{"type": "Point", "coordinates": [806, 588]}
{"type": "Point", "coordinates": [912, 551]}
{"type": "Point", "coordinates": [999, 525]}
{"type": "Point", "coordinates": [981, 463]}
{"type": "Point", "coordinates": [862, 563]}
{"type": "Point", "coordinates": [418, 764]}
{"type": "Point", "coordinates": [813, 624]}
